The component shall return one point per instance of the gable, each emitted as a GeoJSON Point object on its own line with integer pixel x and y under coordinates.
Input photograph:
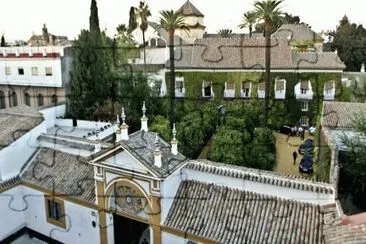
{"type": "Point", "coordinates": [125, 160]}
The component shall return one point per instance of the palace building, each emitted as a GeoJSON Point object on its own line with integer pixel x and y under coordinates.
{"type": "Point", "coordinates": [93, 182]}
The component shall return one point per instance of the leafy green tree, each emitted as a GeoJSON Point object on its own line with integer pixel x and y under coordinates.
{"type": "Point", "coordinates": [170, 21]}
{"type": "Point", "coordinates": [139, 16]}
{"type": "Point", "coordinates": [227, 146]}
{"type": "Point", "coordinates": [349, 41]}
{"type": "Point", "coordinates": [225, 33]}
{"type": "Point", "coordinates": [90, 86]}
{"type": "Point", "coordinates": [354, 169]}
{"type": "Point", "coordinates": [269, 12]}
{"type": "Point", "coordinates": [161, 126]}
{"type": "Point", "coordinates": [249, 19]}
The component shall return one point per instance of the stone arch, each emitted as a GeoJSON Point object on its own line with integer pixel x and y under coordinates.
{"type": "Point", "coordinates": [131, 198]}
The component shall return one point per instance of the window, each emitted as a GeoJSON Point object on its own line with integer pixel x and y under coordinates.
{"type": "Point", "coordinates": [245, 89]}
{"type": "Point", "coordinates": [2, 100]}
{"type": "Point", "coordinates": [304, 87]}
{"type": "Point", "coordinates": [54, 98]}
{"type": "Point", "coordinates": [20, 71]}
{"type": "Point", "coordinates": [27, 99]}
{"type": "Point", "coordinates": [229, 91]}
{"type": "Point", "coordinates": [304, 121]}
{"type": "Point", "coordinates": [179, 84]}
{"type": "Point", "coordinates": [156, 185]}
{"type": "Point", "coordinates": [304, 106]}
{"type": "Point", "coordinates": [34, 71]}
{"type": "Point", "coordinates": [280, 85]}
{"type": "Point", "coordinates": [13, 99]}
{"type": "Point", "coordinates": [55, 211]}
{"type": "Point", "coordinates": [48, 71]}
{"type": "Point", "coordinates": [207, 89]}
{"type": "Point", "coordinates": [7, 71]}
{"type": "Point", "coordinates": [328, 87]}
{"type": "Point", "coordinates": [40, 100]}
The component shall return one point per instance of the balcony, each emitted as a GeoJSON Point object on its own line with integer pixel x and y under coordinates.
{"type": "Point", "coordinates": [180, 92]}
{"type": "Point", "coordinates": [303, 91]}
{"type": "Point", "coordinates": [280, 89]}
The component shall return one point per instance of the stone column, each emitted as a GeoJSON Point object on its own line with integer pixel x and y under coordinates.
{"type": "Point", "coordinates": [101, 212]}
{"type": "Point", "coordinates": [155, 219]}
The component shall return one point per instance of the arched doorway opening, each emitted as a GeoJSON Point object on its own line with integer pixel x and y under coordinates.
{"type": "Point", "coordinates": [131, 210]}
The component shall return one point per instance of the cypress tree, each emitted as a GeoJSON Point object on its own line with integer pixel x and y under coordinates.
{"type": "Point", "coordinates": [2, 44]}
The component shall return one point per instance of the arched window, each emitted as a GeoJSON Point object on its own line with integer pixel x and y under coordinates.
{"type": "Point", "coordinates": [2, 100]}
{"type": "Point", "coordinates": [13, 99]}
{"type": "Point", "coordinates": [27, 99]}
{"type": "Point", "coordinates": [54, 98]}
{"type": "Point", "coordinates": [40, 100]}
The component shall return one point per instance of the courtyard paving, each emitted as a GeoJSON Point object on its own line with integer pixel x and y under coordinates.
{"type": "Point", "coordinates": [285, 146]}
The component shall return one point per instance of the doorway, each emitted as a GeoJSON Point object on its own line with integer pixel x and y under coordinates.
{"type": "Point", "coordinates": [129, 231]}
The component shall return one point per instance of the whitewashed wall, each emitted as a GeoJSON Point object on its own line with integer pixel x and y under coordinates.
{"type": "Point", "coordinates": [51, 113]}
{"type": "Point", "coordinates": [13, 157]}
{"type": "Point", "coordinates": [169, 188]}
{"type": "Point", "coordinates": [12, 216]}
{"type": "Point", "coordinates": [168, 238]}
{"type": "Point", "coordinates": [79, 219]}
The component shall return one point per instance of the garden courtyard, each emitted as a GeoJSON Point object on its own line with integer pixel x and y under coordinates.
{"type": "Point", "coordinates": [285, 146]}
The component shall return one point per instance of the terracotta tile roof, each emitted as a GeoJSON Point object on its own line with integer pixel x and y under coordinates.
{"type": "Point", "coordinates": [345, 234]}
{"type": "Point", "coordinates": [188, 9]}
{"type": "Point", "coordinates": [4, 185]}
{"type": "Point", "coordinates": [63, 173]}
{"type": "Point", "coordinates": [227, 215]}
{"type": "Point", "coordinates": [263, 176]}
{"type": "Point", "coordinates": [141, 145]}
{"type": "Point", "coordinates": [317, 60]}
{"type": "Point", "coordinates": [341, 114]}
{"type": "Point", "coordinates": [17, 121]}
{"type": "Point", "coordinates": [298, 32]}
{"type": "Point", "coordinates": [248, 53]}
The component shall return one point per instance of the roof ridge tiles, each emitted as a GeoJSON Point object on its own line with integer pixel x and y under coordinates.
{"type": "Point", "coordinates": [262, 176]}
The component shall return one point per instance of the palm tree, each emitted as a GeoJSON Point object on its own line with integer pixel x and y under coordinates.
{"type": "Point", "coordinates": [170, 21]}
{"type": "Point", "coordinates": [249, 19]}
{"type": "Point", "coordinates": [269, 12]}
{"type": "Point", "coordinates": [140, 15]}
{"type": "Point", "coordinates": [225, 33]}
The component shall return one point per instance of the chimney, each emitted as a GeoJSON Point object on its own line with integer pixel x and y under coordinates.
{"type": "Point", "coordinates": [124, 126]}
{"type": "Point", "coordinates": [97, 148]}
{"type": "Point", "coordinates": [144, 119]}
{"type": "Point", "coordinates": [157, 153]}
{"type": "Point", "coordinates": [362, 68]}
{"type": "Point", "coordinates": [174, 142]}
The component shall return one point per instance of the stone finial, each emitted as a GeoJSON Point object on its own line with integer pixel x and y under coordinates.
{"type": "Point", "coordinates": [124, 126]}
{"type": "Point", "coordinates": [362, 68]}
{"type": "Point", "coordinates": [117, 121]}
{"type": "Point", "coordinates": [157, 153]}
{"type": "Point", "coordinates": [144, 119]}
{"type": "Point", "coordinates": [174, 142]}
{"type": "Point", "coordinates": [143, 109]}
{"type": "Point", "coordinates": [123, 116]}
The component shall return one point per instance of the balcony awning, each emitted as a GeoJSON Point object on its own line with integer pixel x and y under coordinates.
{"type": "Point", "coordinates": [304, 85]}
{"type": "Point", "coordinates": [329, 85]}
{"type": "Point", "coordinates": [280, 85]}
{"type": "Point", "coordinates": [246, 85]}
{"type": "Point", "coordinates": [262, 86]}
{"type": "Point", "coordinates": [230, 85]}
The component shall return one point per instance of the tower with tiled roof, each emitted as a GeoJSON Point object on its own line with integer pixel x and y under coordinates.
{"type": "Point", "coordinates": [194, 21]}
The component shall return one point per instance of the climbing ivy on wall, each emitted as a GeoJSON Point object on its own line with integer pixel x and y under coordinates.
{"type": "Point", "coordinates": [281, 111]}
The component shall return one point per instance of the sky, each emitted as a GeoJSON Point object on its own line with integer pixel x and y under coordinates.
{"type": "Point", "coordinates": [20, 18]}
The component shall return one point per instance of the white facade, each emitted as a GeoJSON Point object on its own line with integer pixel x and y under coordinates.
{"type": "Point", "coordinates": [31, 66]}
{"type": "Point", "coordinates": [23, 206]}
